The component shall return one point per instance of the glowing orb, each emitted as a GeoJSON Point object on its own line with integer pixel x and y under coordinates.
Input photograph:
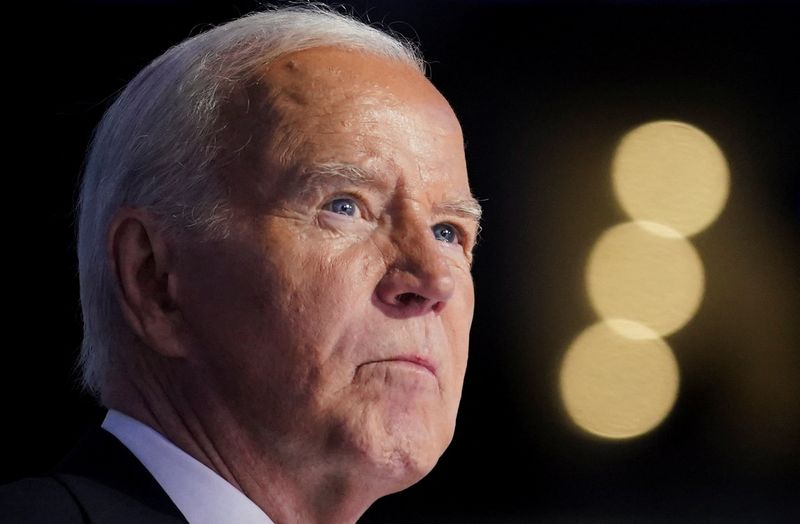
{"type": "Point", "coordinates": [647, 273]}
{"type": "Point", "coordinates": [618, 387]}
{"type": "Point", "coordinates": [671, 173]}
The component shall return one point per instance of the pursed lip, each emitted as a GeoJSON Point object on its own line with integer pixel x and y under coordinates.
{"type": "Point", "coordinates": [412, 359]}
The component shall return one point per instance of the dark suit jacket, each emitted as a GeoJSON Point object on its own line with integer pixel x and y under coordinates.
{"type": "Point", "coordinates": [100, 482]}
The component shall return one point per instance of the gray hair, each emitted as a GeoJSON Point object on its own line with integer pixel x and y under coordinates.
{"type": "Point", "coordinates": [156, 146]}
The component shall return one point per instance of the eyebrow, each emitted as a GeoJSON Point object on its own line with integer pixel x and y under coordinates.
{"type": "Point", "coordinates": [468, 208]}
{"type": "Point", "coordinates": [321, 174]}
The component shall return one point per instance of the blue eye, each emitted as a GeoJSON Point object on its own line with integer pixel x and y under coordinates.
{"type": "Point", "coordinates": [342, 206]}
{"type": "Point", "coordinates": [445, 233]}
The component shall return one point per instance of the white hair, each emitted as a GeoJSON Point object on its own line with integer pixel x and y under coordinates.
{"type": "Point", "coordinates": [156, 146]}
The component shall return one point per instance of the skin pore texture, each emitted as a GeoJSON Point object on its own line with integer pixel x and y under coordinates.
{"type": "Point", "coordinates": [315, 358]}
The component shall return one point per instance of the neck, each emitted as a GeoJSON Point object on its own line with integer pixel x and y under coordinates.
{"type": "Point", "coordinates": [293, 487]}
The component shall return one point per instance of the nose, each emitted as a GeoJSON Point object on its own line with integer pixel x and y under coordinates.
{"type": "Point", "coordinates": [419, 279]}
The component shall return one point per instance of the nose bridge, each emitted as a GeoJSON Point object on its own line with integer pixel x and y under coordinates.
{"type": "Point", "coordinates": [418, 278]}
{"type": "Point", "coordinates": [418, 251]}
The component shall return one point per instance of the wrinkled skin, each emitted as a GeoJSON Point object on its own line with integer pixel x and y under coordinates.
{"type": "Point", "coordinates": [323, 344]}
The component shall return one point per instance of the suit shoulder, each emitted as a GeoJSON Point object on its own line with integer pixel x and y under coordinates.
{"type": "Point", "coordinates": [38, 500]}
{"type": "Point", "coordinates": [106, 503]}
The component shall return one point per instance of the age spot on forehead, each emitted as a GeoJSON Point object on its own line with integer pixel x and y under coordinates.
{"type": "Point", "coordinates": [327, 70]}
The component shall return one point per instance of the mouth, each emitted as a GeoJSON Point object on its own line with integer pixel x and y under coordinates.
{"type": "Point", "coordinates": [418, 362]}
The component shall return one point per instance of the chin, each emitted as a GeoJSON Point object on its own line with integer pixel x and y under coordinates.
{"type": "Point", "coordinates": [392, 441]}
{"type": "Point", "coordinates": [401, 459]}
{"type": "Point", "coordinates": [400, 469]}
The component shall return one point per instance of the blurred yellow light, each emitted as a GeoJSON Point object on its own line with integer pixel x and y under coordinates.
{"type": "Point", "coordinates": [647, 273]}
{"type": "Point", "coordinates": [618, 387]}
{"type": "Point", "coordinates": [671, 173]}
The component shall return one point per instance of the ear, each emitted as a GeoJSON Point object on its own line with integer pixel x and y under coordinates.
{"type": "Point", "coordinates": [142, 265]}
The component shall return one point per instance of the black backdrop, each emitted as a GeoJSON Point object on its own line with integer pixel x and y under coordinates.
{"type": "Point", "coordinates": [544, 91]}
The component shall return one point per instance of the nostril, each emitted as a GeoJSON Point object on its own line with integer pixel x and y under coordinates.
{"type": "Point", "coordinates": [409, 298]}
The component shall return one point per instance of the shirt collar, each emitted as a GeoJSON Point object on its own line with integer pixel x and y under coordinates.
{"type": "Point", "coordinates": [201, 495]}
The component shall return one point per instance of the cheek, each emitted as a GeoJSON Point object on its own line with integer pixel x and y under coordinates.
{"type": "Point", "coordinates": [341, 275]}
{"type": "Point", "coordinates": [459, 313]}
{"type": "Point", "coordinates": [319, 290]}
{"type": "Point", "coordinates": [216, 295]}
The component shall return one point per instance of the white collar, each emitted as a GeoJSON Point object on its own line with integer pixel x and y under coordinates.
{"type": "Point", "coordinates": [201, 495]}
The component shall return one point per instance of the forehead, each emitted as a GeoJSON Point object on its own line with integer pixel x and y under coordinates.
{"type": "Point", "coordinates": [327, 105]}
{"type": "Point", "coordinates": [327, 75]}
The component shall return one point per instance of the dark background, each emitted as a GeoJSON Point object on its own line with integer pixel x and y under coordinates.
{"type": "Point", "coordinates": [544, 91]}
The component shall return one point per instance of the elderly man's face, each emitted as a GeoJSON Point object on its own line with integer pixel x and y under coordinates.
{"type": "Point", "coordinates": [334, 322]}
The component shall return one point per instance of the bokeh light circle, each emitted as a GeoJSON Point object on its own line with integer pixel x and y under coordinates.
{"type": "Point", "coordinates": [647, 273]}
{"type": "Point", "coordinates": [618, 387]}
{"type": "Point", "coordinates": [671, 173]}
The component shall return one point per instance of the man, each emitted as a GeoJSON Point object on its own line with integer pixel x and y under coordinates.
{"type": "Point", "coordinates": [275, 241]}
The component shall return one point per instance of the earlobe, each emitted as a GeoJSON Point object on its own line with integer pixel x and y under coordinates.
{"type": "Point", "coordinates": [143, 271]}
